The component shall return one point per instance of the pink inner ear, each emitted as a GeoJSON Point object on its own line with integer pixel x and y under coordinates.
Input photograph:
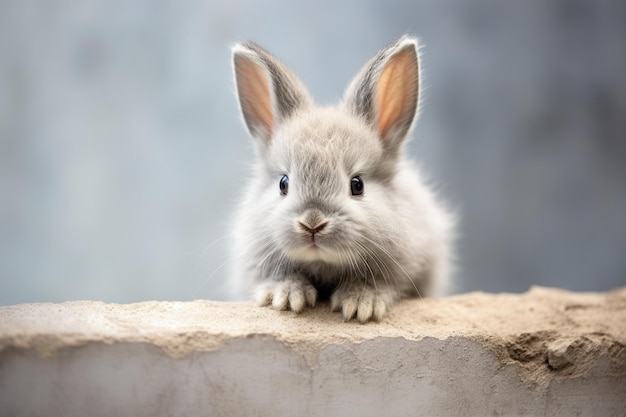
{"type": "Point", "coordinates": [396, 91]}
{"type": "Point", "coordinates": [254, 95]}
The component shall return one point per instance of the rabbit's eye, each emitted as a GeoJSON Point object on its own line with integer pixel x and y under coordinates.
{"type": "Point", "coordinates": [284, 185]}
{"type": "Point", "coordinates": [357, 186]}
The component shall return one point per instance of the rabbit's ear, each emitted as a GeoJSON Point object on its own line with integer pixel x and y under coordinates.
{"type": "Point", "coordinates": [385, 92]}
{"type": "Point", "coordinates": [268, 92]}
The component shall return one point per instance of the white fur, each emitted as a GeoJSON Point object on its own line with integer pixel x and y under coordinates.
{"type": "Point", "coordinates": [391, 242]}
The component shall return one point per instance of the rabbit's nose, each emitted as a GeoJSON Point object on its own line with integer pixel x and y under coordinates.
{"type": "Point", "coordinates": [313, 229]}
{"type": "Point", "coordinates": [313, 222]}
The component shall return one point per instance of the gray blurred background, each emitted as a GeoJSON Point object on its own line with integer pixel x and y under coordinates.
{"type": "Point", "coordinates": [122, 152]}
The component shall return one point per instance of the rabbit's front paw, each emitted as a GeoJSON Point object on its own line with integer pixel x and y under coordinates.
{"type": "Point", "coordinates": [364, 303]}
{"type": "Point", "coordinates": [292, 293]}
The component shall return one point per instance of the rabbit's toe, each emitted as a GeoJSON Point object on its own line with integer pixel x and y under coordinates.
{"type": "Point", "coordinates": [363, 304]}
{"type": "Point", "coordinates": [290, 294]}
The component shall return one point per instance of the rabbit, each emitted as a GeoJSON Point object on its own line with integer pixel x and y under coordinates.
{"type": "Point", "coordinates": [333, 207]}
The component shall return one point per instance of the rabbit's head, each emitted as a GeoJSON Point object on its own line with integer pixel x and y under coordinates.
{"type": "Point", "coordinates": [323, 181]}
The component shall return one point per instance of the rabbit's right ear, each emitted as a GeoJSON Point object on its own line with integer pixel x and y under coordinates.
{"type": "Point", "coordinates": [268, 92]}
{"type": "Point", "coordinates": [385, 92]}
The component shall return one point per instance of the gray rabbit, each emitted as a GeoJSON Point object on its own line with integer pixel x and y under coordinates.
{"type": "Point", "coordinates": [333, 207]}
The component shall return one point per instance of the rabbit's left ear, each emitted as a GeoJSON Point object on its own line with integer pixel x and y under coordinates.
{"type": "Point", "coordinates": [268, 92]}
{"type": "Point", "coordinates": [385, 92]}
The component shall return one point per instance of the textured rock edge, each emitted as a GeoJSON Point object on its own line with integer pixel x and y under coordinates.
{"type": "Point", "coordinates": [545, 333]}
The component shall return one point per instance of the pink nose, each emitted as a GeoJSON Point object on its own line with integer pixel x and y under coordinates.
{"type": "Point", "coordinates": [315, 229]}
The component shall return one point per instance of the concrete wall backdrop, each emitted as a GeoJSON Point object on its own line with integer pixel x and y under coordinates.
{"type": "Point", "coordinates": [122, 153]}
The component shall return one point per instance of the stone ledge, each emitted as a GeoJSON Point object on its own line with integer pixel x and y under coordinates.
{"type": "Point", "coordinates": [544, 352]}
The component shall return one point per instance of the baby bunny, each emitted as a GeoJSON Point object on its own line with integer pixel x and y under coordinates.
{"type": "Point", "coordinates": [333, 207]}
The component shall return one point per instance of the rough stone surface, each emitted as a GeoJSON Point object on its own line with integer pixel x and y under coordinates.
{"type": "Point", "coordinates": [545, 352]}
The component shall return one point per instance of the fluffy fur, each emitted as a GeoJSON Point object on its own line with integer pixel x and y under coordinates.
{"type": "Point", "coordinates": [363, 251]}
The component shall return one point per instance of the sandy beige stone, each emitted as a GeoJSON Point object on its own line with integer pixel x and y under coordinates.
{"type": "Point", "coordinates": [545, 352]}
{"type": "Point", "coordinates": [544, 331]}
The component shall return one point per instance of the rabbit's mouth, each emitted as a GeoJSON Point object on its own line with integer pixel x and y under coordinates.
{"type": "Point", "coordinates": [313, 250]}
{"type": "Point", "coordinates": [313, 244]}
{"type": "Point", "coordinates": [309, 251]}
